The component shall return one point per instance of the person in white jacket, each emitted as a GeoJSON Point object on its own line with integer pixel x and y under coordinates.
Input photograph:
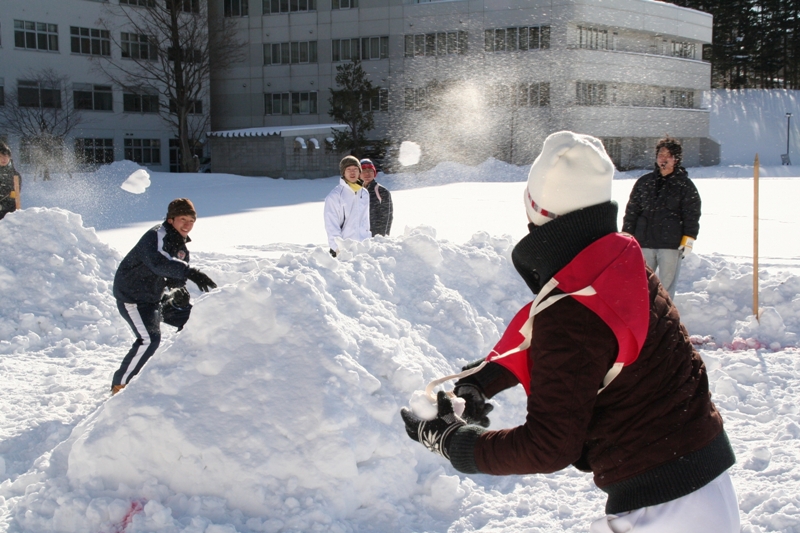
{"type": "Point", "coordinates": [347, 206]}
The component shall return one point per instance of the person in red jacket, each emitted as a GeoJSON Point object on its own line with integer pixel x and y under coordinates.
{"type": "Point", "coordinates": [614, 385]}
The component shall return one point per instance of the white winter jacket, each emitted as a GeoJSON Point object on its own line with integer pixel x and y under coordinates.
{"type": "Point", "coordinates": [346, 214]}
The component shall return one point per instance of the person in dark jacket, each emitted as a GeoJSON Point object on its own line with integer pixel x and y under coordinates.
{"type": "Point", "coordinates": [381, 211]}
{"type": "Point", "coordinates": [8, 199]}
{"type": "Point", "coordinates": [614, 385]}
{"type": "Point", "coordinates": [663, 213]}
{"type": "Point", "coordinates": [151, 277]}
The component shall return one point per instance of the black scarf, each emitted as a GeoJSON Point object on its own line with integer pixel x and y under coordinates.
{"type": "Point", "coordinates": [550, 247]}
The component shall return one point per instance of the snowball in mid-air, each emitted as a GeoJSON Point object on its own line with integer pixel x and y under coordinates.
{"type": "Point", "coordinates": [422, 406]}
{"type": "Point", "coordinates": [410, 153]}
{"type": "Point", "coordinates": [137, 183]}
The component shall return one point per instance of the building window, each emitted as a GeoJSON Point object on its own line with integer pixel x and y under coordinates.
{"type": "Point", "coordinates": [189, 55]}
{"type": "Point", "coordinates": [94, 151]}
{"type": "Point", "coordinates": [136, 46]}
{"type": "Point", "coordinates": [417, 99]}
{"type": "Point", "coordinates": [139, 103]}
{"type": "Point", "coordinates": [287, 53]}
{"type": "Point", "coordinates": [236, 8]}
{"type": "Point", "coordinates": [299, 103]}
{"type": "Point", "coordinates": [195, 107]}
{"type": "Point", "coordinates": [379, 102]}
{"type": "Point", "coordinates": [187, 6]}
{"type": "Point", "coordinates": [344, 4]}
{"type": "Point", "coordinates": [345, 49]}
{"type": "Point", "coordinates": [521, 38]}
{"type": "Point", "coordinates": [92, 97]}
{"type": "Point", "coordinates": [143, 151]}
{"type": "Point", "coordinates": [363, 49]}
{"type": "Point", "coordinates": [686, 50]}
{"type": "Point", "coordinates": [590, 93]}
{"type": "Point", "coordinates": [682, 99]}
{"type": "Point", "coordinates": [436, 44]}
{"type": "Point", "coordinates": [269, 7]}
{"type": "Point", "coordinates": [533, 95]}
{"type": "Point", "coordinates": [90, 41]}
{"type": "Point", "coordinates": [35, 35]}
{"type": "Point", "coordinates": [592, 38]}
{"type": "Point", "coordinates": [37, 94]}
{"type": "Point", "coordinates": [142, 3]}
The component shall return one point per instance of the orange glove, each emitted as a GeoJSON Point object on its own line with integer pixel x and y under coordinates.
{"type": "Point", "coordinates": [686, 246]}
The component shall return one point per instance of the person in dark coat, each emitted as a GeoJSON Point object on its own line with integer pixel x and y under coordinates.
{"type": "Point", "coordinates": [381, 210]}
{"type": "Point", "coordinates": [614, 385]}
{"type": "Point", "coordinates": [150, 280]}
{"type": "Point", "coordinates": [8, 200]}
{"type": "Point", "coordinates": [663, 213]}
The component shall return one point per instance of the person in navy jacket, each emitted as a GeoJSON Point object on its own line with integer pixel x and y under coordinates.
{"type": "Point", "coordinates": [153, 275]}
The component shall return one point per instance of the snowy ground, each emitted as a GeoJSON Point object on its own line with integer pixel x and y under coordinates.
{"type": "Point", "coordinates": [276, 409]}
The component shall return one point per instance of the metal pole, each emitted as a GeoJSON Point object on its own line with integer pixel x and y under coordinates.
{"type": "Point", "coordinates": [755, 238]}
{"type": "Point", "coordinates": [788, 130]}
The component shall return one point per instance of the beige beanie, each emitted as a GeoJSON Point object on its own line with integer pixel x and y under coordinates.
{"type": "Point", "coordinates": [572, 172]}
{"type": "Point", "coordinates": [348, 161]}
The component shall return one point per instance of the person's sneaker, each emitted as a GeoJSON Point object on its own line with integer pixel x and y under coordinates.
{"type": "Point", "coordinates": [116, 388]}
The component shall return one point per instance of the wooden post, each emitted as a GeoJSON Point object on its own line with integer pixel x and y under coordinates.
{"type": "Point", "coordinates": [16, 191]}
{"type": "Point", "coordinates": [755, 237]}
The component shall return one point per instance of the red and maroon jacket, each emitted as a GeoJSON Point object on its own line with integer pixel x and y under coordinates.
{"type": "Point", "coordinates": [652, 435]}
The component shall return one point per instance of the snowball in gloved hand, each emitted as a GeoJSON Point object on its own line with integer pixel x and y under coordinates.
{"type": "Point", "coordinates": [421, 405]}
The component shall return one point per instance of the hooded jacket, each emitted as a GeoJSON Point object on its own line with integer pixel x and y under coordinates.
{"type": "Point", "coordinates": [7, 203]}
{"type": "Point", "coordinates": [160, 259]}
{"type": "Point", "coordinates": [662, 209]}
{"type": "Point", "coordinates": [381, 210]}
{"type": "Point", "coordinates": [346, 214]}
{"type": "Point", "coordinates": [651, 436]}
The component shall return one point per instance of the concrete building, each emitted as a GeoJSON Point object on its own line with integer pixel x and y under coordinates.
{"type": "Point", "coordinates": [65, 36]}
{"type": "Point", "coordinates": [471, 79]}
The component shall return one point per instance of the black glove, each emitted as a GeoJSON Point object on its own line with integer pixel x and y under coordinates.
{"type": "Point", "coordinates": [178, 298]}
{"type": "Point", "coordinates": [434, 434]}
{"type": "Point", "coordinates": [476, 408]}
{"type": "Point", "coordinates": [203, 282]}
{"type": "Point", "coordinates": [332, 252]}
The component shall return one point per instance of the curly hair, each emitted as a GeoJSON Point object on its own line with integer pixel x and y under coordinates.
{"type": "Point", "coordinates": [673, 145]}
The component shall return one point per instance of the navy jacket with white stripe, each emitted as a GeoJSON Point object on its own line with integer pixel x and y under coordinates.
{"type": "Point", "coordinates": [158, 260]}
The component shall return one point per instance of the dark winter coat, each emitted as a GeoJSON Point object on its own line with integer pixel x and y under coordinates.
{"type": "Point", "coordinates": [160, 259]}
{"type": "Point", "coordinates": [7, 203]}
{"type": "Point", "coordinates": [662, 209]}
{"type": "Point", "coordinates": [652, 435]}
{"type": "Point", "coordinates": [381, 211]}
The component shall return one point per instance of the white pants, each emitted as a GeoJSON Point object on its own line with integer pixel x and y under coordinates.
{"type": "Point", "coordinates": [712, 508]}
{"type": "Point", "coordinates": [668, 263]}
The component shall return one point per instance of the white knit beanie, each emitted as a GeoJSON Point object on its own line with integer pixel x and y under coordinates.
{"type": "Point", "coordinates": [572, 172]}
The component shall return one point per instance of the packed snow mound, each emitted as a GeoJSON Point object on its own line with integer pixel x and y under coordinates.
{"type": "Point", "coordinates": [712, 304]}
{"type": "Point", "coordinates": [55, 281]}
{"type": "Point", "coordinates": [281, 397]}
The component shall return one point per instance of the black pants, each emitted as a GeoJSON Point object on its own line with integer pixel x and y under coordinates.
{"type": "Point", "coordinates": [145, 321]}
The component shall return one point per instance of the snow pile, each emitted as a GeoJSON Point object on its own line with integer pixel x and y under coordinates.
{"type": "Point", "coordinates": [717, 304]}
{"type": "Point", "coordinates": [55, 282]}
{"type": "Point", "coordinates": [280, 399]}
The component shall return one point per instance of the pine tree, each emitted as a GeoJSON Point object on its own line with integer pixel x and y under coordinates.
{"type": "Point", "coordinates": [347, 106]}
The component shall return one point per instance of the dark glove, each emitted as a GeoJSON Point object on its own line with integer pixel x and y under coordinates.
{"type": "Point", "coordinates": [178, 298]}
{"type": "Point", "coordinates": [333, 252]}
{"type": "Point", "coordinates": [203, 282]}
{"type": "Point", "coordinates": [434, 434]}
{"type": "Point", "coordinates": [476, 408]}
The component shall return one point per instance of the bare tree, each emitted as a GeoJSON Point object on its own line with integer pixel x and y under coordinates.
{"type": "Point", "coordinates": [40, 114]}
{"type": "Point", "coordinates": [167, 48]}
